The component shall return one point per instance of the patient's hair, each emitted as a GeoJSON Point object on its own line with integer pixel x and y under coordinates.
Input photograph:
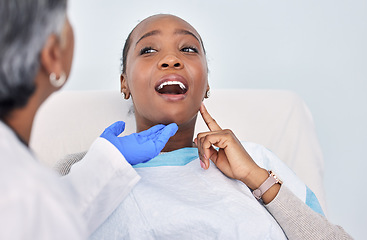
{"type": "Point", "coordinates": [24, 28]}
{"type": "Point", "coordinates": [127, 44]}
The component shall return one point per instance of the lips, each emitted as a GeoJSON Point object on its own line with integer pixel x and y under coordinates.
{"type": "Point", "coordinates": [172, 84]}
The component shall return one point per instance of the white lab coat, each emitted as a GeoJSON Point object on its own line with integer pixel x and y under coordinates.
{"type": "Point", "coordinates": [35, 203]}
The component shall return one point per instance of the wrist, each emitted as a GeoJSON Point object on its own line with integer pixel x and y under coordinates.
{"type": "Point", "coordinates": [268, 190]}
{"type": "Point", "coordinates": [255, 178]}
{"type": "Point", "coordinates": [269, 195]}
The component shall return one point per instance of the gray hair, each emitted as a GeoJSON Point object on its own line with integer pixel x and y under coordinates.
{"type": "Point", "coordinates": [25, 26]}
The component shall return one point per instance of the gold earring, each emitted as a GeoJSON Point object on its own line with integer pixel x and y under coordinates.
{"type": "Point", "coordinates": [207, 94]}
{"type": "Point", "coordinates": [126, 95]}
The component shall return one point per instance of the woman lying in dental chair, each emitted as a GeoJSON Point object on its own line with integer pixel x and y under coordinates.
{"type": "Point", "coordinates": [241, 190]}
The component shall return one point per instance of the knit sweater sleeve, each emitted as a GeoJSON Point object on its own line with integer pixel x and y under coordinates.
{"type": "Point", "coordinates": [298, 221]}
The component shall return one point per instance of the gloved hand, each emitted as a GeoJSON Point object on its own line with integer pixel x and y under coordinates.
{"type": "Point", "coordinates": [139, 147]}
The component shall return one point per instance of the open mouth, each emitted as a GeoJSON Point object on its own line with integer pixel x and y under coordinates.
{"type": "Point", "coordinates": [171, 87]}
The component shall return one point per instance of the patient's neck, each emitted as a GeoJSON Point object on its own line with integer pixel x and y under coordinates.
{"type": "Point", "coordinates": [183, 137]}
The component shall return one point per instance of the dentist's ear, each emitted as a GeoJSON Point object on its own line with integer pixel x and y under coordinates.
{"type": "Point", "coordinates": [124, 87]}
{"type": "Point", "coordinates": [51, 60]}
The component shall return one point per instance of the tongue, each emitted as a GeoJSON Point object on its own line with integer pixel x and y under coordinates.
{"type": "Point", "coordinates": [171, 89]}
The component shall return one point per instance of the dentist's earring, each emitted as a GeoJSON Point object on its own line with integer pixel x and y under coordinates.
{"type": "Point", "coordinates": [207, 94]}
{"type": "Point", "coordinates": [57, 82]}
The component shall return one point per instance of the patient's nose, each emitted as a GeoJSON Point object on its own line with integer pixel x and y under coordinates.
{"type": "Point", "coordinates": [170, 61]}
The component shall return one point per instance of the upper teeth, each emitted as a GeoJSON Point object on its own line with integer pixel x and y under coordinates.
{"type": "Point", "coordinates": [182, 86]}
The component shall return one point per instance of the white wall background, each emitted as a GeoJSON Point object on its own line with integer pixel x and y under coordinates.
{"type": "Point", "coordinates": [317, 48]}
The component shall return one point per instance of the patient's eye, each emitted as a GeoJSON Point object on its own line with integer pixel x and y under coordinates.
{"type": "Point", "coordinates": [190, 49]}
{"type": "Point", "coordinates": [147, 50]}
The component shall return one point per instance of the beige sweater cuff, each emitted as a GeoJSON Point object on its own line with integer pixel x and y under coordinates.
{"type": "Point", "coordinates": [299, 221]}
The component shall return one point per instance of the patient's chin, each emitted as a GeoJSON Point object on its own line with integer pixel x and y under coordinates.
{"type": "Point", "coordinates": [167, 120]}
{"type": "Point", "coordinates": [180, 119]}
{"type": "Point", "coordinates": [181, 114]}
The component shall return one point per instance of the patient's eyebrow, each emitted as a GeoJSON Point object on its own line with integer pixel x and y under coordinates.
{"type": "Point", "coordinates": [177, 31]}
{"type": "Point", "coordinates": [187, 32]}
{"type": "Point", "coordinates": [148, 34]}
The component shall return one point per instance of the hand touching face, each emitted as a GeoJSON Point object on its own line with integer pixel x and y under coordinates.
{"type": "Point", "coordinates": [231, 157]}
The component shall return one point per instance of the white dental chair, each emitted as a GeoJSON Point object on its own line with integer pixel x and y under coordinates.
{"type": "Point", "coordinates": [69, 121]}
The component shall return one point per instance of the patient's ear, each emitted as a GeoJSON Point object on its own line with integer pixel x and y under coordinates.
{"type": "Point", "coordinates": [207, 93]}
{"type": "Point", "coordinates": [124, 87]}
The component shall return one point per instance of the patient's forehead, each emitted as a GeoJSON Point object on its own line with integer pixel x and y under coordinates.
{"type": "Point", "coordinates": [161, 21]}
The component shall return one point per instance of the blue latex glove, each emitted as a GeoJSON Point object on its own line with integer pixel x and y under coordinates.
{"type": "Point", "coordinates": [139, 147]}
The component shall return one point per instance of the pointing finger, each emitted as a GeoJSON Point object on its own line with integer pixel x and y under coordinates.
{"type": "Point", "coordinates": [210, 122]}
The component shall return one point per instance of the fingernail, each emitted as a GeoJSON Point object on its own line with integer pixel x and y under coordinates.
{"type": "Point", "coordinates": [202, 164]}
